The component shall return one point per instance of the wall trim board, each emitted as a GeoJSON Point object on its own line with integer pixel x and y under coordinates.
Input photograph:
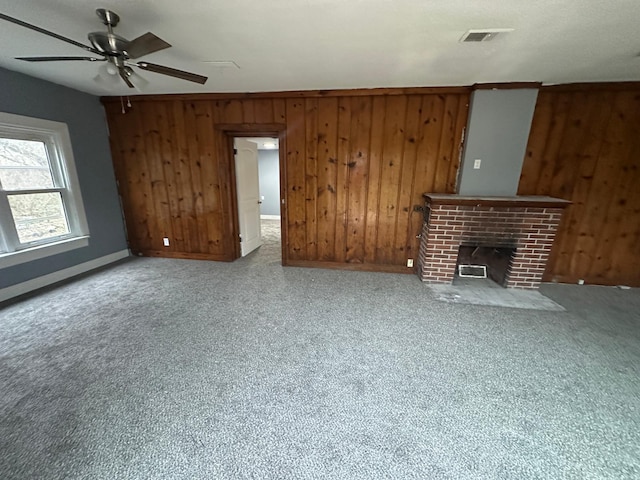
{"type": "Point", "coordinates": [358, 267]}
{"type": "Point", "coordinates": [358, 92]}
{"type": "Point", "coordinates": [55, 277]}
{"type": "Point", "coordinates": [585, 87]}
{"type": "Point", "coordinates": [378, 91]}
{"type": "Point", "coordinates": [227, 169]}
{"type": "Point", "coordinates": [506, 86]}
{"type": "Point", "coordinates": [184, 256]}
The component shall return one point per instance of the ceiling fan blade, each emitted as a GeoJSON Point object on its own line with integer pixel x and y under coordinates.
{"type": "Point", "coordinates": [125, 77]}
{"type": "Point", "coordinates": [145, 44]}
{"type": "Point", "coordinates": [60, 59]}
{"type": "Point", "coordinates": [47, 32]}
{"type": "Point", "coordinates": [172, 72]}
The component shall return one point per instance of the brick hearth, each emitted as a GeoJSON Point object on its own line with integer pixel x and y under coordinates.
{"type": "Point", "coordinates": [527, 224]}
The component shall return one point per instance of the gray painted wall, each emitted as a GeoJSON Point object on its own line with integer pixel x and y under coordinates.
{"type": "Point", "coordinates": [269, 179]}
{"type": "Point", "coordinates": [497, 134]}
{"type": "Point", "coordinates": [84, 115]}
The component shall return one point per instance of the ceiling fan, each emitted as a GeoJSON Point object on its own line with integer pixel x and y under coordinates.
{"type": "Point", "coordinates": [114, 49]}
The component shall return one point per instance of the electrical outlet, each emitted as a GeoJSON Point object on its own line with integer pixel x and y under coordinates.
{"type": "Point", "coordinates": [476, 163]}
{"type": "Point", "coordinates": [165, 241]}
{"type": "Point", "coordinates": [409, 262]}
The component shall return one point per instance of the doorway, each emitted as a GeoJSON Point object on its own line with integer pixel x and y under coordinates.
{"type": "Point", "coordinates": [257, 164]}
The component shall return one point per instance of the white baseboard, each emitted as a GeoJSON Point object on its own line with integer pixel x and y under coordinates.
{"type": "Point", "coordinates": [51, 278]}
{"type": "Point", "coordinates": [269, 217]}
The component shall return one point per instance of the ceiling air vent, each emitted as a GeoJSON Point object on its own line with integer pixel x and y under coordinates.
{"type": "Point", "coordinates": [485, 35]}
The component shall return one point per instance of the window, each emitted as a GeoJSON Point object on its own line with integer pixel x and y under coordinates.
{"type": "Point", "coordinates": [41, 211]}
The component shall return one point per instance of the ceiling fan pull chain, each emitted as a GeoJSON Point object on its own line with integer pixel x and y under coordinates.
{"type": "Point", "coordinates": [128, 102]}
{"type": "Point", "coordinates": [122, 105]}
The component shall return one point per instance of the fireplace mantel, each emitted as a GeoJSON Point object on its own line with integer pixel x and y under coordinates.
{"type": "Point", "coordinates": [538, 201]}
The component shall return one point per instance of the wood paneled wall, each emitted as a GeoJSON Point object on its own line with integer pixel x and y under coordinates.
{"type": "Point", "coordinates": [170, 181]}
{"type": "Point", "coordinates": [585, 147]}
{"type": "Point", "coordinates": [354, 164]}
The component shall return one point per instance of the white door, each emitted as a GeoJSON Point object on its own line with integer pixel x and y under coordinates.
{"type": "Point", "coordinates": [248, 194]}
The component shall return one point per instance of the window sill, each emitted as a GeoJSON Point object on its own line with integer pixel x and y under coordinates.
{"type": "Point", "coordinates": [42, 251]}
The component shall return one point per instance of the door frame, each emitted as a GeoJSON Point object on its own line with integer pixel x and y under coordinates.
{"type": "Point", "coordinates": [225, 134]}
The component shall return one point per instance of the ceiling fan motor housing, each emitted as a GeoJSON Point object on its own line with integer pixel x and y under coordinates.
{"type": "Point", "coordinates": [109, 43]}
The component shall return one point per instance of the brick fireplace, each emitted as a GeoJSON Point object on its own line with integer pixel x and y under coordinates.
{"type": "Point", "coordinates": [526, 225]}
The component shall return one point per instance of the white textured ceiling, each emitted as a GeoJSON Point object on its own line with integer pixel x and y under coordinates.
{"type": "Point", "coordinates": [284, 45]}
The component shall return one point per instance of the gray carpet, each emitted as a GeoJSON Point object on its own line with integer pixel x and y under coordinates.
{"type": "Point", "coordinates": [270, 253]}
{"type": "Point", "coordinates": [178, 369]}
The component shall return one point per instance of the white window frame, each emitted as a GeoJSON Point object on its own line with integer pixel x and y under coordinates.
{"type": "Point", "coordinates": [55, 136]}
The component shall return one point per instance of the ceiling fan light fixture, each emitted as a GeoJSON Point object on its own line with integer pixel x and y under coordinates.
{"type": "Point", "coordinates": [112, 69]}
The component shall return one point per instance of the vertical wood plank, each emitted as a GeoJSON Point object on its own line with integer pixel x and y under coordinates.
{"type": "Point", "coordinates": [148, 222]}
{"type": "Point", "coordinates": [427, 156]}
{"type": "Point", "coordinates": [195, 167]}
{"type": "Point", "coordinates": [563, 178]}
{"type": "Point", "coordinates": [553, 142]}
{"type": "Point", "coordinates": [625, 261]}
{"type": "Point", "coordinates": [248, 111]}
{"type": "Point", "coordinates": [311, 177]}
{"type": "Point", "coordinates": [124, 160]}
{"type": "Point", "coordinates": [393, 144]}
{"type": "Point", "coordinates": [375, 177]}
{"type": "Point", "coordinates": [210, 182]}
{"type": "Point", "coordinates": [228, 195]}
{"type": "Point", "coordinates": [412, 138]}
{"type": "Point", "coordinates": [358, 168]}
{"type": "Point", "coordinates": [538, 135]}
{"type": "Point", "coordinates": [232, 112]}
{"type": "Point", "coordinates": [458, 145]}
{"type": "Point", "coordinates": [327, 177]}
{"type": "Point", "coordinates": [154, 157]}
{"type": "Point", "coordinates": [218, 111]}
{"type": "Point", "coordinates": [448, 144]}
{"type": "Point", "coordinates": [183, 177]}
{"type": "Point", "coordinates": [344, 158]}
{"type": "Point", "coordinates": [279, 110]}
{"type": "Point", "coordinates": [168, 153]}
{"type": "Point", "coordinates": [263, 110]}
{"type": "Point", "coordinates": [296, 209]}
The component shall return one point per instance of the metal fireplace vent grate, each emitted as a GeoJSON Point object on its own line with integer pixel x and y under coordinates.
{"type": "Point", "coordinates": [472, 271]}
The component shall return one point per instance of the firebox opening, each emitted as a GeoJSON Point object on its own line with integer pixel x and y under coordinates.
{"type": "Point", "coordinates": [496, 260]}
